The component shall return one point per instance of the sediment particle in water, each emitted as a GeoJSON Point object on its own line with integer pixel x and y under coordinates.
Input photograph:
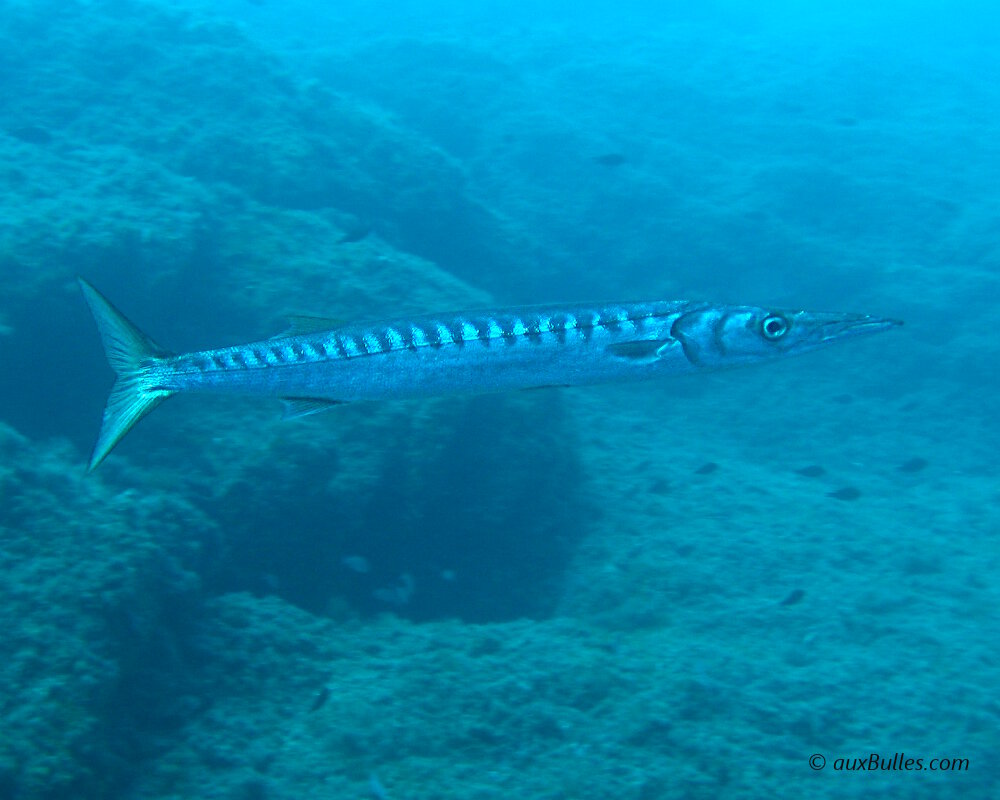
{"type": "Point", "coordinates": [915, 464]}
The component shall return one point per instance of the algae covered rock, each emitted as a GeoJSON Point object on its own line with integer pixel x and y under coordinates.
{"type": "Point", "coordinates": [99, 587]}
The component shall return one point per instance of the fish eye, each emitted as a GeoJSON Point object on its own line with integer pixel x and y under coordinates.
{"type": "Point", "coordinates": [774, 326]}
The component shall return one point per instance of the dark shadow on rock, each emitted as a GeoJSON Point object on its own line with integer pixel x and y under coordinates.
{"type": "Point", "coordinates": [474, 514]}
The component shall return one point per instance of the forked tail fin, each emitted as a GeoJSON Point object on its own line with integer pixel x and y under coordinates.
{"type": "Point", "coordinates": [131, 354]}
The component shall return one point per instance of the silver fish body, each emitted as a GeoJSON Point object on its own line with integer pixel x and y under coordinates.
{"type": "Point", "coordinates": [475, 352]}
{"type": "Point", "coordinates": [455, 354]}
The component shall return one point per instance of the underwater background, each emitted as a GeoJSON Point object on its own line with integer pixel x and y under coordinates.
{"type": "Point", "coordinates": [680, 589]}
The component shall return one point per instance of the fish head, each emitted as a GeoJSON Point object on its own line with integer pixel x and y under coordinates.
{"type": "Point", "coordinates": [732, 335]}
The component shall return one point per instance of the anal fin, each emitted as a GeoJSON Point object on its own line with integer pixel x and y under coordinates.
{"type": "Point", "coordinates": [304, 406]}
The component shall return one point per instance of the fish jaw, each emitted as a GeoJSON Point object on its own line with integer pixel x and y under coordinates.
{"type": "Point", "coordinates": [844, 326]}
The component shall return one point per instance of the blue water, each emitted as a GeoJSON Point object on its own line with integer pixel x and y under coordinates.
{"type": "Point", "coordinates": [698, 588]}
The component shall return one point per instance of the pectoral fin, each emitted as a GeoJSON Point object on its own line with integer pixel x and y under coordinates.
{"type": "Point", "coordinates": [641, 350]}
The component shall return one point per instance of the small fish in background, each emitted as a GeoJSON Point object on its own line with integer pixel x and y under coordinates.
{"type": "Point", "coordinates": [610, 159]}
{"type": "Point", "coordinates": [320, 700]}
{"type": "Point", "coordinates": [357, 564]}
{"type": "Point", "coordinates": [793, 597]}
{"type": "Point", "coordinates": [660, 486]}
{"type": "Point", "coordinates": [812, 471]}
{"type": "Point", "coordinates": [31, 134]}
{"type": "Point", "coordinates": [398, 595]}
{"type": "Point", "coordinates": [355, 231]}
{"type": "Point", "coordinates": [915, 464]}
{"type": "Point", "coordinates": [707, 468]}
{"type": "Point", "coordinates": [847, 493]}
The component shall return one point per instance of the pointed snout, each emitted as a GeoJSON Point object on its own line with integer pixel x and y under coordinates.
{"type": "Point", "coordinates": [842, 326]}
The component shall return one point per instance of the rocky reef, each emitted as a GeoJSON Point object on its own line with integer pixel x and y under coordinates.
{"type": "Point", "coordinates": [675, 591]}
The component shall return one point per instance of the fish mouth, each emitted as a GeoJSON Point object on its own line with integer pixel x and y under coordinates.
{"type": "Point", "coordinates": [842, 326]}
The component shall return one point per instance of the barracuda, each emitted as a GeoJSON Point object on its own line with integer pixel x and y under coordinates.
{"type": "Point", "coordinates": [319, 364]}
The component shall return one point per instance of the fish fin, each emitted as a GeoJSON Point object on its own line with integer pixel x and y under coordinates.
{"type": "Point", "coordinates": [128, 402]}
{"type": "Point", "coordinates": [129, 352]}
{"type": "Point", "coordinates": [641, 350]}
{"type": "Point", "coordinates": [304, 406]}
{"type": "Point", "coordinates": [299, 324]}
{"type": "Point", "coordinates": [666, 345]}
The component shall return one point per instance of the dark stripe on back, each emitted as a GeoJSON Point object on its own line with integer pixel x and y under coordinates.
{"type": "Point", "coordinates": [219, 361]}
{"type": "Point", "coordinates": [239, 360]}
{"type": "Point", "coordinates": [455, 329]}
{"type": "Point", "coordinates": [298, 351]}
{"type": "Point", "coordinates": [482, 330]}
{"type": "Point", "coordinates": [278, 354]}
{"type": "Point", "coordinates": [320, 349]}
{"type": "Point", "coordinates": [557, 324]}
{"type": "Point", "coordinates": [507, 331]}
{"type": "Point", "coordinates": [609, 320]}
